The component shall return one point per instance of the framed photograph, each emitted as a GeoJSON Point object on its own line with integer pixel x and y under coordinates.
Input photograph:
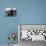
{"type": "Point", "coordinates": [10, 11]}
{"type": "Point", "coordinates": [32, 32]}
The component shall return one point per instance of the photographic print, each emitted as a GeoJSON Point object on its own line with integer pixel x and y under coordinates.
{"type": "Point", "coordinates": [10, 11]}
